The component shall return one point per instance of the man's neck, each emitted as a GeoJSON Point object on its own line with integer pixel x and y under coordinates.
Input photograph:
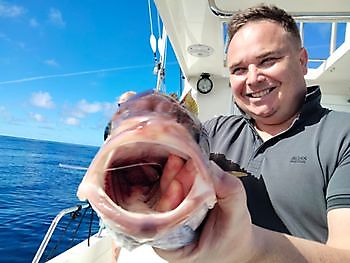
{"type": "Point", "coordinates": [268, 131]}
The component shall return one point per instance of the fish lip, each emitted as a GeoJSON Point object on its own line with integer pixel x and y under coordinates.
{"type": "Point", "coordinates": [163, 136]}
{"type": "Point", "coordinates": [183, 145]}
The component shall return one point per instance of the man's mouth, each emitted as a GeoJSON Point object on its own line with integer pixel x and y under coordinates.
{"type": "Point", "coordinates": [260, 93]}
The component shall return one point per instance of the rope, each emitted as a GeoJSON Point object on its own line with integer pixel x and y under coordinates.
{"type": "Point", "coordinates": [158, 21]}
{"type": "Point", "coordinates": [150, 15]}
{"type": "Point", "coordinates": [90, 225]}
{"type": "Point", "coordinates": [74, 215]}
{"type": "Point", "coordinates": [152, 38]}
{"type": "Point", "coordinates": [79, 224]}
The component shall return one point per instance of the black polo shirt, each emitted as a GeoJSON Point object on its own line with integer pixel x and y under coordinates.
{"type": "Point", "coordinates": [295, 177]}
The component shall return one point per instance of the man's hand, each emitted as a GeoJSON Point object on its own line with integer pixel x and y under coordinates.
{"type": "Point", "coordinates": [227, 233]}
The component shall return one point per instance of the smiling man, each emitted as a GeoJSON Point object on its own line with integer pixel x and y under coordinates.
{"type": "Point", "coordinates": [267, 74]}
{"type": "Point", "coordinates": [294, 203]}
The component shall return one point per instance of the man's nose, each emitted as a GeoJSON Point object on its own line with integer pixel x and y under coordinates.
{"type": "Point", "coordinates": [253, 75]}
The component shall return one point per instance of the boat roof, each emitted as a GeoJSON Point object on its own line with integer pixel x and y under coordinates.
{"type": "Point", "coordinates": [196, 30]}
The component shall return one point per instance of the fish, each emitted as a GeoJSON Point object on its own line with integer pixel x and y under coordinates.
{"type": "Point", "coordinates": [123, 181]}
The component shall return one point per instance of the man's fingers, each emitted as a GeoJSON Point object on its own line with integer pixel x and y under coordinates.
{"type": "Point", "coordinates": [171, 169]}
{"type": "Point", "coordinates": [171, 198]}
{"type": "Point", "coordinates": [186, 176]}
{"type": "Point", "coordinates": [229, 189]}
{"type": "Point", "coordinates": [225, 220]}
{"type": "Point", "coordinates": [176, 182]}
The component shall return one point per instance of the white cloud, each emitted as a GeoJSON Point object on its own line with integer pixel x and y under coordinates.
{"type": "Point", "coordinates": [33, 22]}
{"type": "Point", "coordinates": [85, 107]}
{"type": "Point", "coordinates": [12, 42]}
{"type": "Point", "coordinates": [10, 10]}
{"type": "Point", "coordinates": [42, 100]}
{"type": "Point", "coordinates": [74, 114]}
{"type": "Point", "coordinates": [51, 62]}
{"type": "Point", "coordinates": [37, 117]}
{"type": "Point", "coordinates": [55, 17]}
{"type": "Point", "coordinates": [71, 121]}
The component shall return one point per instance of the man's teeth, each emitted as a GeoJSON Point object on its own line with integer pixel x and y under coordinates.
{"type": "Point", "coordinates": [260, 93]}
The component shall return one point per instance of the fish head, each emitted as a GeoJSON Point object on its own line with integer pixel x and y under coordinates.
{"type": "Point", "coordinates": [122, 182]}
{"type": "Point", "coordinates": [149, 107]}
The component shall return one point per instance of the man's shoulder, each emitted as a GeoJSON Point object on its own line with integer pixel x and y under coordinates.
{"type": "Point", "coordinates": [331, 130]}
{"type": "Point", "coordinates": [338, 119]}
{"type": "Point", "coordinates": [339, 114]}
{"type": "Point", "coordinates": [224, 122]}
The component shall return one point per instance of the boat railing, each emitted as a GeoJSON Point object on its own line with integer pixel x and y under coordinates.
{"type": "Point", "coordinates": [53, 226]}
{"type": "Point", "coordinates": [299, 16]}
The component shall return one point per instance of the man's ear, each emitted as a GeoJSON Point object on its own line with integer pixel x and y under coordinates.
{"type": "Point", "coordinates": [303, 58]}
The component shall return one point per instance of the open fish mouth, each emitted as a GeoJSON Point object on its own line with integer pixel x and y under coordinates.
{"type": "Point", "coordinates": [128, 189]}
{"type": "Point", "coordinates": [123, 183]}
{"type": "Point", "coordinates": [132, 180]}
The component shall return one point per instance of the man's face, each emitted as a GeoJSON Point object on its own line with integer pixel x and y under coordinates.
{"type": "Point", "coordinates": [267, 72]}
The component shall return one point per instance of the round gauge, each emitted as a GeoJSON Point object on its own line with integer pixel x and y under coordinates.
{"type": "Point", "coordinates": [204, 84]}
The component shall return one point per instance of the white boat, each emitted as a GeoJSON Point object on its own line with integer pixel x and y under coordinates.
{"type": "Point", "coordinates": [196, 31]}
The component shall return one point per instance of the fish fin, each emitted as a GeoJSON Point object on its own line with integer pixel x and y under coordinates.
{"type": "Point", "coordinates": [190, 104]}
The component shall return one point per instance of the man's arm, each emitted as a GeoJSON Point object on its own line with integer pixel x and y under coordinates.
{"type": "Point", "coordinates": [229, 236]}
{"type": "Point", "coordinates": [339, 228]}
{"type": "Point", "coordinates": [277, 247]}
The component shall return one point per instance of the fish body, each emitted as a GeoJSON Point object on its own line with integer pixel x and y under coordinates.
{"type": "Point", "coordinates": [122, 182]}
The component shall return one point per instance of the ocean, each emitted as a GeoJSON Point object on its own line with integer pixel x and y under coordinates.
{"type": "Point", "coordinates": [38, 179]}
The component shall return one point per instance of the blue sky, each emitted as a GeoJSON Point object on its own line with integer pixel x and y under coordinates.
{"type": "Point", "coordinates": [63, 64]}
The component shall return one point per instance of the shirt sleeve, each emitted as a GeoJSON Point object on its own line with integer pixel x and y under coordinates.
{"type": "Point", "coordinates": [338, 190]}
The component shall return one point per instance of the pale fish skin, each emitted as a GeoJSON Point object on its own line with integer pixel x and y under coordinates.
{"type": "Point", "coordinates": [122, 181]}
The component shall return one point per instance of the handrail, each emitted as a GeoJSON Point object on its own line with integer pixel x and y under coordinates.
{"type": "Point", "coordinates": [52, 228]}
{"type": "Point", "coordinates": [219, 12]}
{"type": "Point", "coordinates": [298, 16]}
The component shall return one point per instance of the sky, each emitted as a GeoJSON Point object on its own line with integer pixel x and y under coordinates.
{"type": "Point", "coordinates": [64, 63]}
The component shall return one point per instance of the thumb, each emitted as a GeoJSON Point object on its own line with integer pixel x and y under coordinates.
{"type": "Point", "coordinates": [229, 189]}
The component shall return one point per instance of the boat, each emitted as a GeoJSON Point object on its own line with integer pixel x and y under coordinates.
{"type": "Point", "coordinates": [196, 31]}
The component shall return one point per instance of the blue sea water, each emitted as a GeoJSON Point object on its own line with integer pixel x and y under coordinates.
{"type": "Point", "coordinates": [34, 188]}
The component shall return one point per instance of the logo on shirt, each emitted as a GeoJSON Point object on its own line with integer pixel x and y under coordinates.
{"type": "Point", "coordinates": [298, 159]}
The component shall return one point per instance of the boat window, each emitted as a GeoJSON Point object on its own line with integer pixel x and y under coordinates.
{"type": "Point", "coordinates": [320, 39]}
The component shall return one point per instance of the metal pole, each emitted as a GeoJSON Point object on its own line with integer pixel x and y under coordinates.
{"type": "Point", "coordinates": [162, 54]}
{"type": "Point", "coordinates": [52, 227]}
{"type": "Point", "coordinates": [301, 30]}
{"type": "Point", "coordinates": [333, 43]}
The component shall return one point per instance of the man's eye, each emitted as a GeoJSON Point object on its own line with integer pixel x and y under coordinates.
{"type": "Point", "coordinates": [239, 71]}
{"type": "Point", "coordinates": [268, 61]}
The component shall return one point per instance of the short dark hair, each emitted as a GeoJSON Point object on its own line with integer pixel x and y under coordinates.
{"type": "Point", "coordinates": [264, 12]}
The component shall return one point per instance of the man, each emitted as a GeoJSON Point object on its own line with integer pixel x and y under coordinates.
{"type": "Point", "coordinates": [293, 206]}
{"type": "Point", "coordinates": [124, 97]}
